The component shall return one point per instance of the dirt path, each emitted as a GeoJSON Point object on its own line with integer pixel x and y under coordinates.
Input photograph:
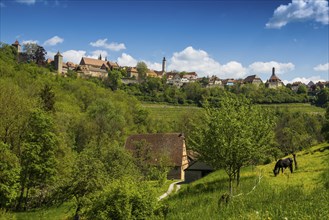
{"type": "Point", "coordinates": [170, 189]}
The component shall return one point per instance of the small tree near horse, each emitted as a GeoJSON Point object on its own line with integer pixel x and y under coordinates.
{"type": "Point", "coordinates": [283, 164]}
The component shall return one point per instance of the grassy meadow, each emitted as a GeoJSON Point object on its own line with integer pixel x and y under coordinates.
{"type": "Point", "coordinates": [301, 195]}
{"type": "Point", "coordinates": [173, 113]}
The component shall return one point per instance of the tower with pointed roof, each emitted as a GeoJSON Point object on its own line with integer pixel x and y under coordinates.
{"type": "Point", "coordinates": [274, 81]}
{"type": "Point", "coordinates": [58, 60]}
{"type": "Point", "coordinates": [163, 65]}
{"type": "Point", "coordinates": [17, 46]}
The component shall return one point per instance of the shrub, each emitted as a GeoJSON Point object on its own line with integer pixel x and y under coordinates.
{"type": "Point", "coordinates": [124, 199]}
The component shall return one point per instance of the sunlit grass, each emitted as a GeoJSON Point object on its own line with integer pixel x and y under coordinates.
{"type": "Point", "coordinates": [301, 195]}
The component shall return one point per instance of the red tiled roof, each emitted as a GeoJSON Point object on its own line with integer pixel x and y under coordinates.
{"type": "Point", "coordinates": [92, 62]}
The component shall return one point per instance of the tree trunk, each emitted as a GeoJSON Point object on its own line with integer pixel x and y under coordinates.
{"type": "Point", "coordinates": [230, 186]}
{"type": "Point", "coordinates": [295, 161]}
{"type": "Point", "coordinates": [20, 200]}
{"type": "Point", "coordinates": [26, 198]}
{"type": "Point", "coordinates": [238, 177]}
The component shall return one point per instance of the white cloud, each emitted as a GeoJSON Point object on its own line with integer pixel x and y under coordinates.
{"type": "Point", "coordinates": [153, 66]}
{"type": "Point", "coordinates": [28, 2]}
{"type": "Point", "coordinates": [266, 67]}
{"type": "Point", "coordinates": [111, 46]}
{"type": "Point", "coordinates": [30, 42]}
{"type": "Point", "coordinates": [304, 80]}
{"type": "Point", "coordinates": [194, 60]}
{"type": "Point", "coordinates": [200, 62]}
{"type": "Point", "coordinates": [126, 60]}
{"type": "Point", "coordinates": [53, 41]}
{"type": "Point", "coordinates": [322, 67]}
{"type": "Point", "coordinates": [300, 10]}
{"type": "Point", "coordinates": [96, 53]}
{"type": "Point", "coordinates": [73, 55]}
{"type": "Point", "coordinates": [232, 69]}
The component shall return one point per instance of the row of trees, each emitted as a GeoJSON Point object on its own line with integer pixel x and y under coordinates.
{"type": "Point", "coordinates": [157, 90]}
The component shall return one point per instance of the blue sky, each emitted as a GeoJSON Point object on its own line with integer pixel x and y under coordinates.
{"type": "Point", "coordinates": [230, 39]}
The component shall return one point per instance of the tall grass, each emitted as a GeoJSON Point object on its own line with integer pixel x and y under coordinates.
{"type": "Point", "coordinates": [301, 195]}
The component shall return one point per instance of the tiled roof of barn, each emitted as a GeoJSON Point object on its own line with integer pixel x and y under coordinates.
{"type": "Point", "coordinates": [161, 144]}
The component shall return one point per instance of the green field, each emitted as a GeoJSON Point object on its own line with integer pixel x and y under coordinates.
{"type": "Point", "coordinates": [301, 195]}
{"type": "Point", "coordinates": [170, 113]}
{"type": "Point", "coordinates": [173, 113]}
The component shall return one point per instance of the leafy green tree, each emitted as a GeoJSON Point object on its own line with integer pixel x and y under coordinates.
{"type": "Point", "coordinates": [14, 113]}
{"type": "Point", "coordinates": [142, 70]}
{"type": "Point", "coordinates": [34, 53]}
{"type": "Point", "coordinates": [108, 122]}
{"type": "Point", "coordinates": [48, 98]}
{"type": "Point", "coordinates": [9, 176]}
{"type": "Point", "coordinates": [296, 131]}
{"type": "Point", "coordinates": [232, 136]}
{"type": "Point", "coordinates": [38, 158]}
{"type": "Point", "coordinates": [322, 97]}
{"type": "Point", "coordinates": [114, 79]}
{"type": "Point", "coordinates": [124, 199]}
{"type": "Point", "coordinates": [302, 89]}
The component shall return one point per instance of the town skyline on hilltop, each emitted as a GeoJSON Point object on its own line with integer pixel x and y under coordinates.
{"type": "Point", "coordinates": [223, 38]}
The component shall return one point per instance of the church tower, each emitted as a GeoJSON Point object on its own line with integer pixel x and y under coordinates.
{"type": "Point", "coordinates": [17, 46]}
{"type": "Point", "coordinates": [163, 65]}
{"type": "Point", "coordinates": [58, 60]}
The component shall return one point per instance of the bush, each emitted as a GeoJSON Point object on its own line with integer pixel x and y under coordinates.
{"type": "Point", "coordinates": [124, 199]}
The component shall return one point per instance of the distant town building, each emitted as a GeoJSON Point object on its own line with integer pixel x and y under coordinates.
{"type": "Point", "coordinates": [58, 61]}
{"type": "Point", "coordinates": [214, 81]}
{"type": "Point", "coordinates": [274, 81]}
{"type": "Point", "coordinates": [17, 46]}
{"type": "Point", "coordinates": [253, 79]}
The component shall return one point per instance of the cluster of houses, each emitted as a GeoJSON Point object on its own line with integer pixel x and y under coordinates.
{"type": "Point", "coordinates": [90, 67]}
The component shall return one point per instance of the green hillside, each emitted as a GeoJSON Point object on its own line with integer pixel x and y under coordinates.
{"type": "Point", "coordinates": [173, 113]}
{"type": "Point", "coordinates": [301, 195]}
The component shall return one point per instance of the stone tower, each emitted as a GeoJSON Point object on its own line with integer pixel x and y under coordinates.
{"type": "Point", "coordinates": [17, 46]}
{"type": "Point", "coordinates": [163, 65]}
{"type": "Point", "coordinates": [58, 60]}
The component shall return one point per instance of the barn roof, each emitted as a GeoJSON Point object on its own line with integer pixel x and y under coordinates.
{"type": "Point", "coordinates": [161, 144]}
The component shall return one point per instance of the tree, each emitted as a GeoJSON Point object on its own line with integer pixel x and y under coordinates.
{"type": "Point", "coordinates": [294, 132]}
{"type": "Point", "coordinates": [302, 89]}
{"type": "Point", "coordinates": [232, 136]}
{"type": "Point", "coordinates": [9, 176]}
{"type": "Point", "coordinates": [142, 70]}
{"type": "Point", "coordinates": [114, 79]}
{"type": "Point", "coordinates": [48, 98]}
{"type": "Point", "coordinates": [38, 160]}
{"type": "Point", "coordinates": [322, 97]}
{"type": "Point", "coordinates": [40, 55]}
{"type": "Point", "coordinates": [34, 53]}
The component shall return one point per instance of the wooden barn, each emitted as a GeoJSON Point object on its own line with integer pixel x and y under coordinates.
{"type": "Point", "coordinates": [171, 145]}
